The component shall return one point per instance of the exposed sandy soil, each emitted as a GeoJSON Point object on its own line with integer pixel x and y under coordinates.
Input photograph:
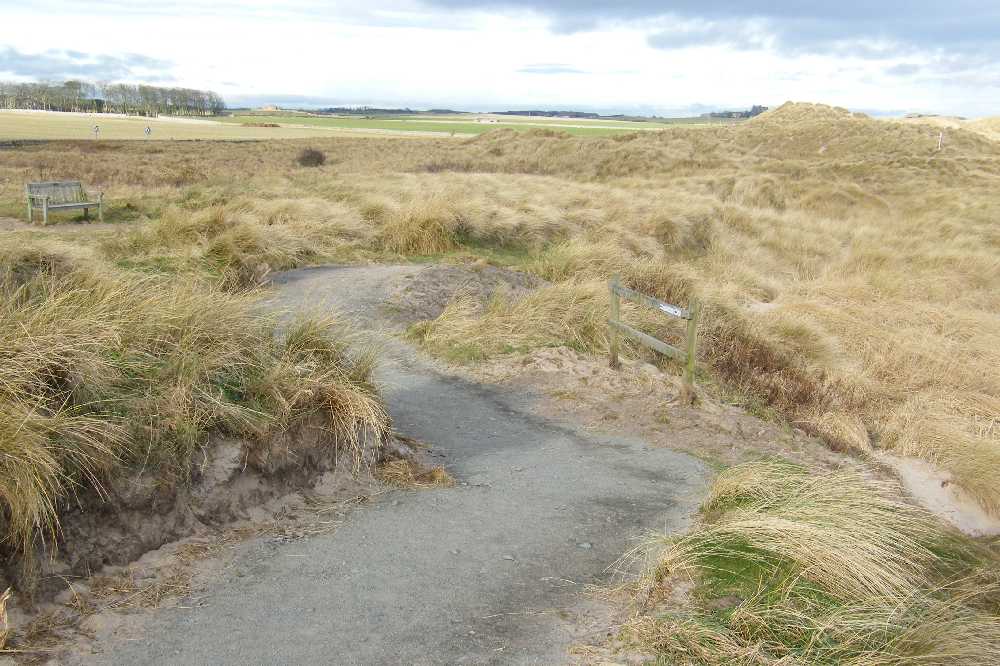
{"type": "Point", "coordinates": [228, 509]}
{"type": "Point", "coordinates": [112, 603]}
{"type": "Point", "coordinates": [424, 292]}
{"type": "Point", "coordinates": [644, 400]}
{"type": "Point", "coordinates": [935, 491]}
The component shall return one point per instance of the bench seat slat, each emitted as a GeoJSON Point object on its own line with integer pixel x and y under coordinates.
{"type": "Point", "coordinates": [59, 192]}
{"type": "Point", "coordinates": [81, 204]}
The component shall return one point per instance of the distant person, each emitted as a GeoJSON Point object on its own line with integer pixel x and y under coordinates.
{"type": "Point", "coordinates": [147, 131]}
{"type": "Point", "coordinates": [97, 131]}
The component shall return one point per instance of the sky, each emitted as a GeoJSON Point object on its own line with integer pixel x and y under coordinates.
{"type": "Point", "coordinates": [630, 56]}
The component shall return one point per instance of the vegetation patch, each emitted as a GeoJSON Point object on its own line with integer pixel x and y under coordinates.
{"type": "Point", "coordinates": [847, 267]}
{"type": "Point", "coordinates": [797, 567]}
{"type": "Point", "coordinates": [407, 473]}
{"type": "Point", "coordinates": [309, 157]}
{"type": "Point", "coordinates": [102, 373]}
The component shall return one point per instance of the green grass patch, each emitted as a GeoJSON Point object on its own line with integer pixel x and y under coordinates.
{"type": "Point", "coordinates": [820, 568]}
{"type": "Point", "coordinates": [442, 126]}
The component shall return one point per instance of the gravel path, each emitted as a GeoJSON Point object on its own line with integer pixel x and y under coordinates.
{"type": "Point", "coordinates": [490, 571]}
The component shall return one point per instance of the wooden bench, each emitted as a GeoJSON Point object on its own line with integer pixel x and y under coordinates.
{"type": "Point", "coordinates": [59, 195]}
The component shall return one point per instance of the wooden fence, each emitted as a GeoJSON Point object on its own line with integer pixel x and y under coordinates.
{"type": "Point", "coordinates": [617, 327]}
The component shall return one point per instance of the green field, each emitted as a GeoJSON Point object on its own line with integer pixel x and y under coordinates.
{"type": "Point", "coordinates": [663, 123]}
{"type": "Point", "coordinates": [446, 124]}
{"type": "Point", "coordinates": [57, 126]}
{"type": "Point", "coordinates": [462, 124]}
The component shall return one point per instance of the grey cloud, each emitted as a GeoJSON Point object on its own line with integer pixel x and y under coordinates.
{"type": "Point", "coordinates": [550, 68]}
{"type": "Point", "coordinates": [741, 35]}
{"type": "Point", "coordinates": [847, 26]}
{"type": "Point", "coordinates": [381, 13]}
{"type": "Point", "coordinates": [61, 65]}
{"type": "Point", "coordinates": [971, 70]}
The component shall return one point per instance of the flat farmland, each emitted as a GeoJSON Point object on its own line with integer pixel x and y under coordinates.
{"type": "Point", "coordinates": [459, 124]}
{"type": "Point", "coordinates": [29, 125]}
{"type": "Point", "coordinates": [48, 125]}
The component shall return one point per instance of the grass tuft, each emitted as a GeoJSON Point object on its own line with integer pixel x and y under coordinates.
{"type": "Point", "coordinates": [404, 473]}
{"type": "Point", "coordinates": [308, 157]}
{"type": "Point", "coordinates": [819, 568]}
{"type": "Point", "coordinates": [101, 372]}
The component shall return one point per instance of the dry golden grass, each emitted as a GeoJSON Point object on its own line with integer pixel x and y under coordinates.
{"type": "Point", "coordinates": [404, 473]}
{"type": "Point", "coordinates": [566, 313]}
{"type": "Point", "coordinates": [421, 227]}
{"type": "Point", "coordinates": [849, 269]}
{"type": "Point", "coordinates": [125, 590]}
{"type": "Point", "coordinates": [988, 127]}
{"type": "Point", "coordinates": [5, 630]}
{"type": "Point", "coordinates": [819, 568]}
{"type": "Point", "coordinates": [102, 371]}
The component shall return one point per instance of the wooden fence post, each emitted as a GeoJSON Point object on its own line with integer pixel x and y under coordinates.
{"type": "Point", "coordinates": [615, 317]}
{"type": "Point", "coordinates": [690, 348]}
{"type": "Point", "coordinates": [616, 328]}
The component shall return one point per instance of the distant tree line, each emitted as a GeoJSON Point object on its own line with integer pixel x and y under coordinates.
{"type": "Point", "coordinates": [138, 100]}
{"type": "Point", "coordinates": [755, 110]}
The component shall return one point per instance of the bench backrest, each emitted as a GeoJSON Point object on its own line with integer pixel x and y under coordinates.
{"type": "Point", "coordinates": [59, 191]}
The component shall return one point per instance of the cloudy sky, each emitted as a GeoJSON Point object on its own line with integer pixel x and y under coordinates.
{"type": "Point", "coordinates": [630, 55]}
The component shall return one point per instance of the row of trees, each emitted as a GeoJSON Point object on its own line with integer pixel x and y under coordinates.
{"type": "Point", "coordinates": [755, 110]}
{"type": "Point", "coordinates": [140, 100]}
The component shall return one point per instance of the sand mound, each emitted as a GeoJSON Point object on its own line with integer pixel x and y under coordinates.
{"type": "Point", "coordinates": [815, 133]}
{"type": "Point", "coordinates": [810, 130]}
{"type": "Point", "coordinates": [802, 112]}
{"type": "Point", "coordinates": [988, 127]}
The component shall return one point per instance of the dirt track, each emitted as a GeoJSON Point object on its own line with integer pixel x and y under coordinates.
{"type": "Point", "coordinates": [490, 571]}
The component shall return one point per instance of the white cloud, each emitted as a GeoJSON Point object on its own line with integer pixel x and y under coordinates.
{"type": "Point", "coordinates": [401, 53]}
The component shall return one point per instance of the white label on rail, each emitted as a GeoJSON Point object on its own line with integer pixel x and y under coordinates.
{"type": "Point", "coordinates": [673, 310]}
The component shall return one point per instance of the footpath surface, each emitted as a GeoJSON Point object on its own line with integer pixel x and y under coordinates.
{"type": "Point", "coordinates": [492, 570]}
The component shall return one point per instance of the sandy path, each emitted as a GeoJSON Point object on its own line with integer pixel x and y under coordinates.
{"type": "Point", "coordinates": [490, 571]}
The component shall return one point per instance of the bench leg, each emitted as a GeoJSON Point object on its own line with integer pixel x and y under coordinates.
{"type": "Point", "coordinates": [30, 220]}
{"type": "Point", "coordinates": [100, 211]}
{"type": "Point", "coordinates": [86, 214]}
{"type": "Point", "coordinates": [45, 213]}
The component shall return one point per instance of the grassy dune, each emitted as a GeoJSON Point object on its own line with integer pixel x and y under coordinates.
{"type": "Point", "coordinates": [850, 275]}
{"type": "Point", "coordinates": [989, 127]}
{"type": "Point", "coordinates": [849, 270]}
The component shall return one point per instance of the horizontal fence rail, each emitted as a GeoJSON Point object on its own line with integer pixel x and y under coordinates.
{"type": "Point", "coordinates": [617, 327]}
